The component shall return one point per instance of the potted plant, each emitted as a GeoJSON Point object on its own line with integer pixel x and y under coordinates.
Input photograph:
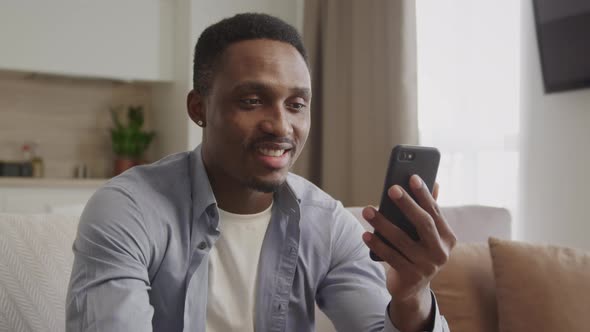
{"type": "Point", "coordinates": [129, 140]}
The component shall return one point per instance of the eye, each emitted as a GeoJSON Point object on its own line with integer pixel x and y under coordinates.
{"type": "Point", "coordinates": [250, 103]}
{"type": "Point", "coordinates": [297, 106]}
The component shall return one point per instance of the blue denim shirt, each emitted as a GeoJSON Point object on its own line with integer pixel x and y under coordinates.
{"type": "Point", "coordinates": [143, 242]}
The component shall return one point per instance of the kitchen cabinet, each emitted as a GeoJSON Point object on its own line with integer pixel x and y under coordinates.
{"type": "Point", "coordinates": [120, 40]}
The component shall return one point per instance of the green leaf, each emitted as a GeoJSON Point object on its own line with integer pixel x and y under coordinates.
{"type": "Point", "coordinates": [129, 140]}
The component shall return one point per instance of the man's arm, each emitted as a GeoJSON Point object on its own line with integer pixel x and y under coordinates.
{"type": "Point", "coordinates": [109, 284]}
{"type": "Point", "coordinates": [413, 263]}
{"type": "Point", "coordinates": [353, 293]}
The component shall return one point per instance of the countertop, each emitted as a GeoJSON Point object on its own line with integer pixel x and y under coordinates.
{"type": "Point", "coordinates": [26, 182]}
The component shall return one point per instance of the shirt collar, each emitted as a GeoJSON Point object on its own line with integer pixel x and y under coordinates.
{"type": "Point", "coordinates": [286, 199]}
{"type": "Point", "coordinates": [201, 191]}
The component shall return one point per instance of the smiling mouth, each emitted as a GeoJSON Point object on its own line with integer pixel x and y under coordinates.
{"type": "Point", "coordinates": [274, 157]}
{"type": "Point", "coordinates": [271, 152]}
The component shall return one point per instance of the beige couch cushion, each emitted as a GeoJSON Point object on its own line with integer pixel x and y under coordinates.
{"type": "Point", "coordinates": [35, 264]}
{"type": "Point", "coordinates": [471, 223]}
{"type": "Point", "coordinates": [465, 291]}
{"type": "Point", "coordinates": [540, 288]}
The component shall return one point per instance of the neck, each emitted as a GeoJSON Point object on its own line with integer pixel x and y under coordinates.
{"type": "Point", "coordinates": [235, 197]}
{"type": "Point", "coordinates": [244, 201]}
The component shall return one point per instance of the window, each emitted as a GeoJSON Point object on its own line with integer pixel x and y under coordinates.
{"type": "Point", "coordinates": [468, 97]}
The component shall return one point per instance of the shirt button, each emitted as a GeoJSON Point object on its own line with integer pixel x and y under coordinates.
{"type": "Point", "coordinates": [202, 245]}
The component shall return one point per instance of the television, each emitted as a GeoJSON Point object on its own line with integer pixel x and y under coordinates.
{"type": "Point", "coordinates": [563, 36]}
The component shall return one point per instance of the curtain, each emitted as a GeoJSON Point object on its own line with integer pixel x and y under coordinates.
{"type": "Point", "coordinates": [363, 64]}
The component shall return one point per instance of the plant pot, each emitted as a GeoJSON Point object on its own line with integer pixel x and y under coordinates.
{"type": "Point", "coordinates": [123, 164]}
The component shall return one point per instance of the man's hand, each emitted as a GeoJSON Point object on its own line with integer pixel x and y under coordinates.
{"type": "Point", "coordinates": [416, 263]}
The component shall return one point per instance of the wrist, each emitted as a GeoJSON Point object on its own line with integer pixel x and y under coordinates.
{"type": "Point", "coordinates": [413, 313]}
{"type": "Point", "coordinates": [413, 302]}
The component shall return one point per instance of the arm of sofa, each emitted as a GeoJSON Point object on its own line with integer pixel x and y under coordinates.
{"type": "Point", "coordinates": [35, 263]}
{"type": "Point", "coordinates": [476, 223]}
{"type": "Point", "coordinates": [471, 223]}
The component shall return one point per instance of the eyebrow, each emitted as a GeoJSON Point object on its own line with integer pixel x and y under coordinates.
{"type": "Point", "coordinates": [254, 86]}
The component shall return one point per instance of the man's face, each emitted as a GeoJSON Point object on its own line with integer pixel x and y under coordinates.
{"type": "Point", "coordinates": [257, 114]}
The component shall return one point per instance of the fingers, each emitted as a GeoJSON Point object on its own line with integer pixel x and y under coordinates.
{"type": "Point", "coordinates": [388, 254]}
{"type": "Point", "coordinates": [418, 216]}
{"type": "Point", "coordinates": [408, 248]}
{"type": "Point", "coordinates": [428, 203]}
{"type": "Point", "coordinates": [414, 260]}
{"type": "Point", "coordinates": [397, 259]}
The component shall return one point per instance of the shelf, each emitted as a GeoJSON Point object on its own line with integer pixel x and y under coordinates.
{"type": "Point", "coordinates": [24, 182]}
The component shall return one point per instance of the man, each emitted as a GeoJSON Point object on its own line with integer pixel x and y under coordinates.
{"type": "Point", "coordinates": [224, 238]}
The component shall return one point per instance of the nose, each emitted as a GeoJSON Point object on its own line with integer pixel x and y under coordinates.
{"type": "Point", "coordinates": [276, 122]}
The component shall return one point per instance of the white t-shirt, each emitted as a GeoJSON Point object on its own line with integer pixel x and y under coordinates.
{"type": "Point", "coordinates": [233, 263]}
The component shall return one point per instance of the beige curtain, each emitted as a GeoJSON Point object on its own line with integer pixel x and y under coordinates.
{"type": "Point", "coordinates": [363, 62]}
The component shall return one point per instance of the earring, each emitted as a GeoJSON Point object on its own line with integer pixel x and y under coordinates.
{"type": "Point", "coordinates": [200, 123]}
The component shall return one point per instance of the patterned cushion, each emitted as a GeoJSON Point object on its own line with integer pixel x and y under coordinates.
{"type": "Point", "coordinates": [35, 264]}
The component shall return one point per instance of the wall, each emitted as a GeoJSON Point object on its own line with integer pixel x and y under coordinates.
{"type": "Point", "coordinates": [68, 117]}
{"type": "Point", "coordinates": [555, 154]}
{"type": "Point", "coordinates": [169, 100]}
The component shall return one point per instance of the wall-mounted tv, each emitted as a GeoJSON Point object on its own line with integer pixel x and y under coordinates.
{"type": "Point", "coordinates": [563, 35]}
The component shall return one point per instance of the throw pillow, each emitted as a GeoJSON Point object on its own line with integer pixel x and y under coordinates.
{"type": "Point", "coordinates": [464, 289]}
{"type": "Point", "coordinates": [540, 287]}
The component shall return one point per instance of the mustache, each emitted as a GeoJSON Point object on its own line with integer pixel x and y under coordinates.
{"type": "Point", "coordinates": [283, 142]}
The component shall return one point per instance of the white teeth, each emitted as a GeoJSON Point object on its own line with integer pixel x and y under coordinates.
{"type": "Point", "coordinates": [271, 152]}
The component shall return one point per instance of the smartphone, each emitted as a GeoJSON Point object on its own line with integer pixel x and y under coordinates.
{"type": "Point", "coordinates": [405, 161]}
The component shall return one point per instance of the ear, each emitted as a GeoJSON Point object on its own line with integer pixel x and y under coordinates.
{"type": "Point", "coordinates": [195, 105]}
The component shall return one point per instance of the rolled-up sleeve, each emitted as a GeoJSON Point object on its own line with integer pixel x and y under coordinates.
{"type": "Point", "coordinates": [353, 293]}
{"type": "Point", "coordinates": [440, 324]}
{"type": "Point", "coordinates": [108, 289]}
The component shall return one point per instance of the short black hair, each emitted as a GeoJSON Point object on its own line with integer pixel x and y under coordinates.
{"type": "Point", "coordinates": [217, 37]}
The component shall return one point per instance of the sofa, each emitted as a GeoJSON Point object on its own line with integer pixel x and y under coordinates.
{"type": "Point", "coordinates": [36, 259]}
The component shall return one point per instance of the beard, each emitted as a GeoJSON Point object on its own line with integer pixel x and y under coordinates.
{"type": "Point", "coordinates": [264, 186]}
